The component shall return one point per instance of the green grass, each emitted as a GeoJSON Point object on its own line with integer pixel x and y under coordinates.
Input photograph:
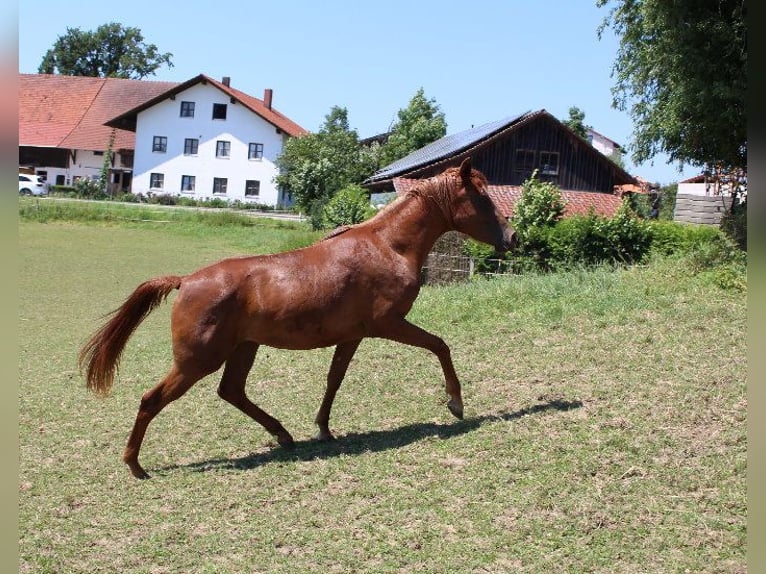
{"type": "Point", "coordinates": [605, 427]}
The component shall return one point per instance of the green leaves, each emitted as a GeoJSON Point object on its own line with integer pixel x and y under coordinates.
{"type": "Point", "coordinates": [540, 205]}
{"type": "Point", "coordinates": [681, 73]}
{"type": "Point", "coordinates": [316, 166]}
{"type": "Point", "coordinates": [349, 206]}
{"type": "Point", "coordinates": [110, 52]}
{"type": "Point", "coordinates": [420, 124]}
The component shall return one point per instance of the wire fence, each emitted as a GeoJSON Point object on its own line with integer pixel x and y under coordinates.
{"type": "Point", "coordinates": [442, 268]}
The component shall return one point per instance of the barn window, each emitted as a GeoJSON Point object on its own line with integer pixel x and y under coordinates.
{"type": "Point", "coordinates": [549, 163]}
{"type": "Point", "coordinates": [525, 160]}
{"type": "Point", "coordinates": [219, 111]}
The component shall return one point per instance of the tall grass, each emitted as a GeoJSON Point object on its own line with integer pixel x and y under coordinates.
{"type": "Point", "coordinates": [605, 427]}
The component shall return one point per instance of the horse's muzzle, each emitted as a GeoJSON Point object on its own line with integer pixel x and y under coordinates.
{"type": "Point", "coordinates": [509, 242]}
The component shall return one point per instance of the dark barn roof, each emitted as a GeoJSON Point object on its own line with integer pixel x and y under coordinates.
{"type": "Point", "coordinates": [451, 149]}
{"type": "Point", "coordinates": [445, 148]}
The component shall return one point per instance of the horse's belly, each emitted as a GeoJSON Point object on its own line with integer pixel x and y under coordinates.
{"type": "Point", "coordinates": [306, 331]}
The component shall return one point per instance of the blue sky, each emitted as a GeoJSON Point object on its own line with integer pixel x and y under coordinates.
{"type": "Point", "coordinates": [480, 61]}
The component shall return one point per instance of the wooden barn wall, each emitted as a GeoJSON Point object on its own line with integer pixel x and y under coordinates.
{"type": "Point", "coordinates": [580, 169]}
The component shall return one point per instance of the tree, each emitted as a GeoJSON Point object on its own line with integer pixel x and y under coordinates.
{"type": "Point", "coordinates": [681, 72]}
{"type": "Point", "coordinates": [315, 166]}
{"type": "Point", "coordinates": [419, 124]}
{"type": "Point", "coordinates": [576, 122]}
{"type": "Point", "coordinates": [110, 52]}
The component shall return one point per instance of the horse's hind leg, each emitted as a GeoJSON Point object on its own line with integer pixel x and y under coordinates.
{"type": "Point", "coordinates": [232, 390]}
{"type": "Point", "coordinates": [340, 361]}
{"type": "Point", "coordinates": [174, 385]}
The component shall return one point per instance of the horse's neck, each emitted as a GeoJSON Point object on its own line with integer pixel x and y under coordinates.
{"type": "Point", "coordinates": [411, 227]}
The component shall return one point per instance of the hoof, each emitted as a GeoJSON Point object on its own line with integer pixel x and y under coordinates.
{"type": "Point", "coordinates": [285, 440]}
{"type": "Point", "coordinates": [138, 472]}
{"type": "Point", "coordinates": [455, 408]}
{"type": "Point", "coordinates": [324, 436]}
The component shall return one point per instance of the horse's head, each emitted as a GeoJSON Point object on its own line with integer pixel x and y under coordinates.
{"type": "Point", "coordinates": [476, 215]}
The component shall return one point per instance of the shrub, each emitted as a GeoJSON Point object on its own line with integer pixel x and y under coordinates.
{"type": "Point", "coordinates": [669, 237]}
{"type": "Point", "coordinates": [89, 189]}
{"type": "Point", "coordinates": [592, 240]}
{"type": "Point", "coordinates": [540, 205]}
{"type": "Point", "coordinates": [162, 199]}
{"type": "Point", "coordinates": [348, 206]}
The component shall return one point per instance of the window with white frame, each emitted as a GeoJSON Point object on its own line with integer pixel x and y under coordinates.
{"type": "Point", "coordinates": [219, 185]}
{"type": "Point", "coordinates": [222, 148]}
{"type": "Point", "coordinates": [549, 162]}
{"type": "Point", "coordinates": [160, 144]}
{"type": "Point", "coordinates": [191, 146]}
{"type": "Point", "coordinates": [157, 181]}
{"type": "Point", "coordinates": [187, 109]}
{"type": "Point", "coordinates": [188, 182]}
{"type": "Point", "coordinates": [255, 151]}
{"type": "Point", "coordinates": [219, 111]}
{"type": "Point", "coordinates": [252, 188]}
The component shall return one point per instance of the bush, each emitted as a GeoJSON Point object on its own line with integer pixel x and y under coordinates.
{"type": "Point", "coordinates": [162, 199]}
{"type": "Point", "coordinates": [348, 206]}
{"type": "Point", "coordinates": [87, 188]}
{"type": "Point", "coordinates": [671, 237]}
{"type": "Point", "coordinates": [540, 205]}
{"type": "Point", "coordinates": [584, 240]}
{"type": "Point", "coordinates": [593, 240]}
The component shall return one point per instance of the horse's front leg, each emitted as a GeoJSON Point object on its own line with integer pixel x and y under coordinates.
{"type": "Point", "coordinates": [344, 352]}
{"type": "Point", "coordinates": [403, 331]}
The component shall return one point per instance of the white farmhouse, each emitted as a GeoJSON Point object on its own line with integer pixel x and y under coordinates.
{"type": "Point", "coordinates": [204, 139]}
{"type": "Point", "coordinates": [200, 139]}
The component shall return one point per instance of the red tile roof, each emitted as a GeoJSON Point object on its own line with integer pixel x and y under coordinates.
{"type": "Point", "coordinates": [77, 112]}
{"type": "Point", "coordinates": [255, 105]}
{"type": "Point", "coordinates": [506, 196]}
{"type": "Point", "coordinates": [70, 111]}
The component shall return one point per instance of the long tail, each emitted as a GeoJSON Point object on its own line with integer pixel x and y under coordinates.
{"type": "Point", "coordinates": [100, 356]}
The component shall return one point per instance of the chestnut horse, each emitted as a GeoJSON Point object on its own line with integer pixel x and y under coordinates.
{"type": "Point", "coordinates": [360, 281]}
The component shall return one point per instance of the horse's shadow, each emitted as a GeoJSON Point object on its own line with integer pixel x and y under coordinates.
{"type": "Point", "coordinates": [353, 444]}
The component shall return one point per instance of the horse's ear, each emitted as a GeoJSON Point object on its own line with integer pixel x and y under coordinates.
{"type": "Point", "coordinates": [465, 169]}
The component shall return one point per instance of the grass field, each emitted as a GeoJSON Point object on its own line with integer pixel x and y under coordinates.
{"type": "Point", "coordinates": [605, 427]}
